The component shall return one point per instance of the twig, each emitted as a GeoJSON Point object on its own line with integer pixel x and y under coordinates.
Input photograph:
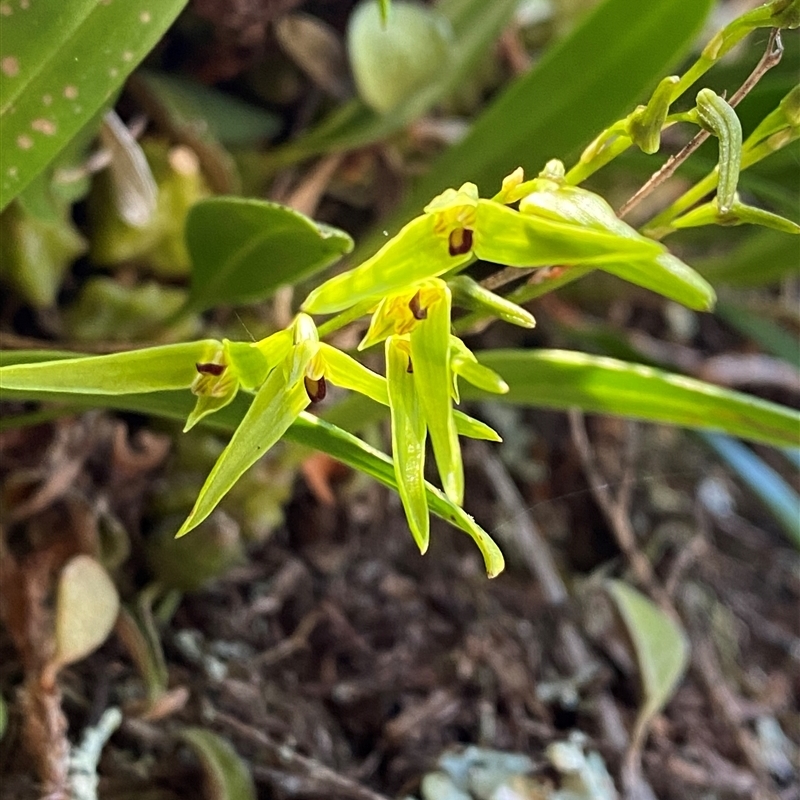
{"type": "Point", "coordinates": [615, 511]}
{"type": "Point", "coordinates": [772, 55]}
{"type": "Point", "coordinates": [328, 782]}
{"type": "Point", "coordinates": [524, 539]}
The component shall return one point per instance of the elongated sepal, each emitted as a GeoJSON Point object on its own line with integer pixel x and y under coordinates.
{"type": "Point", "coordinates": [474, 429]}
{"type": "Point", "coordinates": [550, 228]}
{"type": "Point", "coordinates": [468, 293]}
{"type": "Point", "coordinates": [667, 276]}
{"type": "Point", "coordinates": [274, 408]}
{"type": "Point", "coordinates": [430, 362]}
{"type": "Point", "coordinates": [719, 118]}
{"type": "Point", "coordinates": [464, 364]}
{"type": "Point", "coordinates": [150, 369]}
{"type": "Point", "coordinates": [645, 124]}
{"type": "Point", "coordinates": [346, 372]}
{"type": "Point", "coordinates": [740, 214]}
{"type": "Point", "coordinates": [408, 439]}
{"type": "Point", "coordinates": [428, 246]}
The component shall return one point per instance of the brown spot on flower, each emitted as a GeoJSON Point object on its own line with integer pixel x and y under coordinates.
{"type": "Point", "coordinates": [24, 142]}
{"type": "Point", "coordinates": [417, 310]}
{"type": "Point", "coordinates": [70, 92]}
{"type": "Point", "coordinates": [315, 389]}
{"type": "Point", "coordinates": [211, 369]}
{"type": "Point", "coordinates": [460, 241]}
{"type": "Point", "coordinates": [410, 367]}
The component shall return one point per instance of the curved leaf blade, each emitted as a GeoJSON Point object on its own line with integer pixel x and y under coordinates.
{"type": "Point", "coordinates": [564, 379]}
{"type": "Point", "coordinates": [243, 250]}
{"type": "Point", "coordinates": [60, 63]}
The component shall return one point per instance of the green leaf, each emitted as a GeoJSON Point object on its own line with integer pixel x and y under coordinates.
{"type": "Point", "coordinates": [3, 717]}
{"type": "Point", "coordinates": [394, 58]}
{"type": "Point", "coordinates": [662, 649]}
{"type": "Point", "coordinates": [582, 84]}
{"type": "Point", "coordinates": [307, 430]}
{"type": "Point", "coordinates": [61, 62]}
{"type": "Point", "coordinates": [227, 775]}
{"type": "Point", "coordinates": [243, 250]}
{"type": "Point", "coordinates": [86, 609]}
{"type": "Point", "coordinates": [152, 369]}
{"type": "Point", "coordinates": [563, 379]}
{"type": "Point", "coordinates": [408, 441]}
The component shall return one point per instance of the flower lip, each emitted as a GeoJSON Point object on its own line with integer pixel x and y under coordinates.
{"type": "Point", "coordinates": [315, 389]}
{"type": "Point", "coordinates": [418, 311]}
{"type": "Point", "coordinates": [210, 368]}
{"type": "Point", "coordinates": [460, 241]}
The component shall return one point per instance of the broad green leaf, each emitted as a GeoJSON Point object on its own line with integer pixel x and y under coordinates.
{"type": "Point", "coordinates": [408, 441]}
{"type": "Point", "coordinates": [780, 499]}
{"type": "Point", "coordinates": [564, 379]}
{"type": "Point", "coordinates": [584, 83]}
{"type": "Point", "coordinates": [243, 250]}
{"type": "Point", "coordinates": [307, 430]}
{"type": "Point", "coordinates": [60, 63]}
{"type": "Point", "coordinates": [86, 609]}
{"type": "Point", "coordinates": [151, 369]}
{"type": "Point", "coordinates": [394, 57]}
{"type": "Point", "coordinates": [662, 649]}
{"type": "Point", "coordinates": [227, 775]}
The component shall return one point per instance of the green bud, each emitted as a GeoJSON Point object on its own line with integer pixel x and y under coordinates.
{"type": "Point", "coordinates": [719, 118]}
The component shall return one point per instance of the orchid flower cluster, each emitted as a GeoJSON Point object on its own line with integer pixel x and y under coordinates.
{"type": "Point", "coordinates": [409, 287]}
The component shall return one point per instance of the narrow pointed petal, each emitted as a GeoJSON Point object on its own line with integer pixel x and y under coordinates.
{"type": "Point", "coordinates": [430, 357]}
{"type": "Point", "coordinates": [464, 364]}
{"type": "Point", "coordinates": [408, 442]}
{"type": "Point", "coordinates": [274, 408]}
{"type": "Point", "coordinates": [344, 371]}
{"type": "Point", "coordinates": [474, 428]}
{"type": "Point", "coordinates": [418, 252]}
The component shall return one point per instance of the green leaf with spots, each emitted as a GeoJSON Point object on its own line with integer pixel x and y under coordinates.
{"type": "Point", "coordinates": [60, 62]}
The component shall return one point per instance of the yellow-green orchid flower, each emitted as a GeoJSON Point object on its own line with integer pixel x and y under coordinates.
{"type": "Point", "coordinates": [299, 367]}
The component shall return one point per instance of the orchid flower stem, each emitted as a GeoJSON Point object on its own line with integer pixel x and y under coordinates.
{"type": "Point", "coordinates": [345, 318]}
{"type": "Point", "coordinates": [772, 55]}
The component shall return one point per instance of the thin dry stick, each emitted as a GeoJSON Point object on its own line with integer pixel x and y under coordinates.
{"type": "Point", "coordinates": [615, 510]}
{"type": "Point", "coordinates": [524, 538]}
{"type": "Point", "coordinates": [329, 782]}
{"type": "Point", "coordinates": [772, 55]}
